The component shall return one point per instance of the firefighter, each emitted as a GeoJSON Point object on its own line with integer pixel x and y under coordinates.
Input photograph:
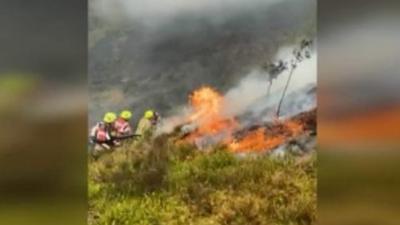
{"type": "Point", "coordinates": [121, 125]}
{"type": "Point", "coordinates": [101, 133]}
{"type": "Point", "coordinates": [155, 121]}
{"type": "Point", "coordinates": [146, 124]}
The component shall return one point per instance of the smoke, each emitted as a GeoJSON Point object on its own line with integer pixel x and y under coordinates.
{"type": "Point", "coordinates": [156, 12]}
{"type": "Point", "coordinates": [250, 95]}
{"type": "Point", "coordinates": [304, 74]}
{"type": "Point", "coordinates": [248, 100]}
{"type": "Point", "coordinates": [152, 54]}
{"type": "Point", "coordinates": [251, 88]}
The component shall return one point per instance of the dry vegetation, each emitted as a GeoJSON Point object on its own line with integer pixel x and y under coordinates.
{"type": "Point", "coordinates": [164, 183]}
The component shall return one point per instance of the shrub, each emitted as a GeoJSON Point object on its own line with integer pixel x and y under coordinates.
{"type": "Point", "coordinates": [166, 183]}
{"type": "Point", "coordinates": [148, 209]}
{"type": "Point", "coordinates": [131, 169]}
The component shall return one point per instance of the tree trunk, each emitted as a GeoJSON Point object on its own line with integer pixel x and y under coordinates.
{"type": "Point", "coordinates": [269, 89]}
{"type": "Point", "coordinates": [284, 92]}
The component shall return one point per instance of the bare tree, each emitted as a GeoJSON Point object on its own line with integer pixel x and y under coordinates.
{"type": "Point", "coordinates": [298, 56]}
{"type": "Point", "coordinates": [285, 89]}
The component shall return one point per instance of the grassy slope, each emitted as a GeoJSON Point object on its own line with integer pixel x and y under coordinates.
{"type": "Point", "coordinates": [163, 183]}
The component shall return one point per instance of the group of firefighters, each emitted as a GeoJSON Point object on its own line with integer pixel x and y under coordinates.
{"type": "Point", "coordinates": [109, 132]}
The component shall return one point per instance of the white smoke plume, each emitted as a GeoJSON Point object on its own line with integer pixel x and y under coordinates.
{"type": "Point", "coordinates": [250, 89]}
{"type": "Point", "coordinates": [251, 92]}
{"type": "Point", "coordinates": [304, 74]}
{"type": "Point", "coordinates": [250, 95]}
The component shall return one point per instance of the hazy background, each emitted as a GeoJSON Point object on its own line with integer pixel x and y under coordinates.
{"type": "Point", "coordinates": [43, 108]}
{"type": "Point", "coordinates": [153, 54]}
{"type": "Point", "coordinates": [358, 115]}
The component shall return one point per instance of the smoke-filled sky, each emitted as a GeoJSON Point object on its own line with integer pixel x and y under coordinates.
{"type": "Point", "coordinates": [152, 54]}
{"type": "Point", "coordinates": [156, 11]}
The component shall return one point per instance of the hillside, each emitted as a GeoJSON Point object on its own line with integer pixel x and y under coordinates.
{"type": "Point", "coordinates": [164, 183]}
{"type": "Point", "coordinates": [134, 64]}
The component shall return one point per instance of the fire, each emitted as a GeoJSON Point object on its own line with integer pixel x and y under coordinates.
{"type": "Point", "coordinates": [294, 128]}
{"type": "Point", "coordinates": [261, 140]}
{"type": "Point", "coordinates": [206, 102]}
{"type": "Point", "coordinates": [208, 115]}
{"type": "Point", "coordinates": [256, 141]}
{"type": "Point", "coordinates": [207, 106]}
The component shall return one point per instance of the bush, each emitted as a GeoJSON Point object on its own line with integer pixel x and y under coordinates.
{"type": "Point", "coordinates": [131, 169]}
{"type": "Point", "coordinates": [164, 183]}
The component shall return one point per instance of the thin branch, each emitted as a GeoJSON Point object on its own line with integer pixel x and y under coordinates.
{"type": "Point", "coordinates": [284, 92]}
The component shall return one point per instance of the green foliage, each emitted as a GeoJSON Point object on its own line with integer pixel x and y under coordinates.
{"type": "Point", "coordinates": [164, 183]}
{"type": "Point", "coordinates": [147, 209]}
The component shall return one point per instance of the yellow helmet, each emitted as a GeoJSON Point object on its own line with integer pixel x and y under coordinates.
{"type": "Point", "coordinates": [109, 117]}
{"type": "Point", "coordinates": [149, 114]}
{"type": "Point", "coordinates": [126, 115]}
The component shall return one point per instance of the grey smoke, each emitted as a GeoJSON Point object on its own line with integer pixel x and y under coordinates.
{"type": "Point", "coordinates": [153, 56]}
{"type": "Point", "coordinates": [251, 92]}
{"type": "Point", "coordinates": [156, 12]}
{"type": "Point", "coordinates": [248, 100]}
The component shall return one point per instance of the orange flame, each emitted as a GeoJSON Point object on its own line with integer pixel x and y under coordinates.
{"type": "Point", "coordinates": [256, 141]}
{"type": "Point", "coordinates": [206, 102]}
{"type": "Point", "coordinates": [207, 105]}
{"type": "Point", "coordinates": [295, 128]}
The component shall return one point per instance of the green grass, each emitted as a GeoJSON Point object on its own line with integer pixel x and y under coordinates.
{"type": "Point", "coordinates": [163, 183]}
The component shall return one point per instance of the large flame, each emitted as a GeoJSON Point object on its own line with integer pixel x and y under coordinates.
{"type": "Point", "coordinates": [208, 115]}
{"type": "Point", "coordinates": [207, 105]}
